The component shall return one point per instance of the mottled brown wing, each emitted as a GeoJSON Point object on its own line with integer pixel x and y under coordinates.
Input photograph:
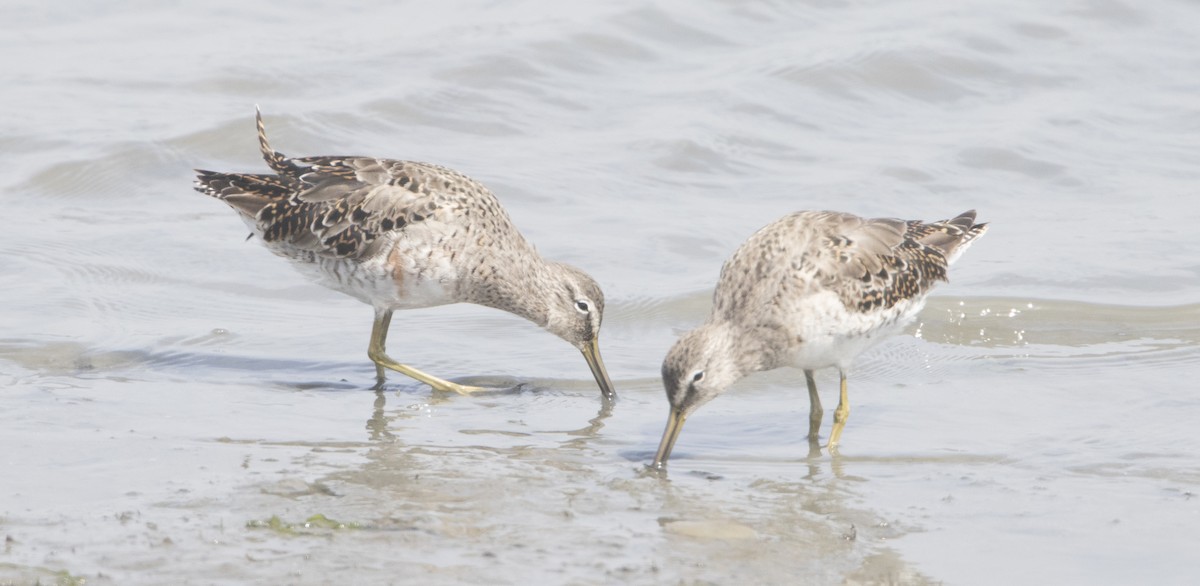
{"type": "Point", "coordinates": [347, 203]}
{"type": "Point", "coordinates": [875, 263]}
{"type": "Point", "coordinates": [868, 263]}
{"type": "Point", "coordinates": [341, 206]}
{"type": "Point", "coordinates": [336, 206]}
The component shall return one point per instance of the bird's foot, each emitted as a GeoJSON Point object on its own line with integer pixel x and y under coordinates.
{"type": "Point", "coordinates": [449, 387]}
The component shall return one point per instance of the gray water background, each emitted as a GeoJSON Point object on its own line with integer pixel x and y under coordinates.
{"type": "Point", "coordinates": [176, 403]}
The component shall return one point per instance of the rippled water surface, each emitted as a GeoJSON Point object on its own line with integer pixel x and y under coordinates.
{"type": "Point", "coordinates": [179, 406]}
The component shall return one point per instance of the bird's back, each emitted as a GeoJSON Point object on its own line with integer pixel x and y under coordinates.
{"type": "Point", "coordinates": [356, 223]}
{"type": "Point", "coordinates": [829, 278]}
{"type": "Point", "coordinates": [869, 264]}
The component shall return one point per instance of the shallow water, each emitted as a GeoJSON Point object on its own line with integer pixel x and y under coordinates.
{"type": "Point", "coordinates": [178, 403]}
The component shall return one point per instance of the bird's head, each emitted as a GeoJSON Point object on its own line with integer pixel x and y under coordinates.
{"type": "Point", "coordinates": [574, 313]}
{"type": "Point", "coordinates": [699, 367]}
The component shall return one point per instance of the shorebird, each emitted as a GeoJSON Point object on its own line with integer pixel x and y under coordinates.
{"type": "Point", "coordinates": [811, 290]}
{"type": "Point", "coordinates": [403, 235]}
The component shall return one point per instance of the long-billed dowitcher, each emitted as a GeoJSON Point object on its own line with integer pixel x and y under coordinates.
{"type": "Point", "coordinates": [811, 290]}
{"type": "Point", "coordinates": [402, 235]}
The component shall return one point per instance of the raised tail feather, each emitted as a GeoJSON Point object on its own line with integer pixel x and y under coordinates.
{"type": "Point", "coordinates": [248, 193]}
{"type": "Point", "coordinates": [952, 237]}
{"type": "Point", "coordinates": [275, 159]}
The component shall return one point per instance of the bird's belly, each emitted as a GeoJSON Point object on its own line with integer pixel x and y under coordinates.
{"type": "Point", "coordinates": [377, 282]}
{"type": "Point", "coordinates": [831, 335]}
{"type": "Point", "coordinates": [835, 350]}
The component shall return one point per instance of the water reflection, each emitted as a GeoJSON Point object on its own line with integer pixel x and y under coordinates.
{"type": "Point", "coordinates": [379, 424]}
{"type": "Point", "coordinates": [815, 462]}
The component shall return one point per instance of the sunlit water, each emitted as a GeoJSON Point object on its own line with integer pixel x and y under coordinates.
{"type": "Point", "coordinates": [178, 403]}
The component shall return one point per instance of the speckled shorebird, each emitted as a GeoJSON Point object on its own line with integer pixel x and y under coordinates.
{"type": "Point", "coordinates": [403, 235]}
{"type": "Point", "coordinates": [811, 290]}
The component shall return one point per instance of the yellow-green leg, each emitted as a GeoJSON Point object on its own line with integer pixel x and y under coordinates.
{"type": "Point", "coordinates": [815, 412]}
{"type": "Point", "coordinates": [840, 415]}
{"type": "Point", "coordinates": [379, 332]}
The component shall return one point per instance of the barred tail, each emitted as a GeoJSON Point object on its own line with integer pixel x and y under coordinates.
{"type": "Point", "coordinates": [244, 192]}
{"type": "Point", "coordinates": [275, 159]}
{"type": "Point", "coordinates": [965, 231]}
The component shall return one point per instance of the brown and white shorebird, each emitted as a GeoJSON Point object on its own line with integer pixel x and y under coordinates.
{"type": "Point", "coordinates": [811, 290]}
{"type": "Point", "coordinates": [403, 235]}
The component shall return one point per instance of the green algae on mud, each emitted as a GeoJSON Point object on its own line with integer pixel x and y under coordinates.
{"type": "Point", "coordinates": [314, 525]}
{"type": "Point", "coordinates": [17, 574]}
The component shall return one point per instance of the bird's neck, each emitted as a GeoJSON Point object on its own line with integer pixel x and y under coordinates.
{"type": "Point", "coordinates": [520, 284]}
{"type": "Point", "coordinates": [752, 348]}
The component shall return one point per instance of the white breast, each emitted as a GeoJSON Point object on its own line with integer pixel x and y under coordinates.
{"type": "Point", "coordinates": [832, 336]}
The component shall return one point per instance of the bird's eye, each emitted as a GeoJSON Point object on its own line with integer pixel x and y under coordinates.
{"type": "Point", "coordinates": [698, 376]}
{"type": "Point", "coordinates": [582, 306]}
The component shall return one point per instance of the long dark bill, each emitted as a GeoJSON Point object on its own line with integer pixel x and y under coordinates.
{"type": "Point", "coordinates": [591, 353]}
{"type": "Point", "coordinates": [670, 434]}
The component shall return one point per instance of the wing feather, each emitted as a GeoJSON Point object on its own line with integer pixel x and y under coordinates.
{"type": "Point", "coordinates": [342, 206]}
{"type": "Point", "coordinates": [870, 264]}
